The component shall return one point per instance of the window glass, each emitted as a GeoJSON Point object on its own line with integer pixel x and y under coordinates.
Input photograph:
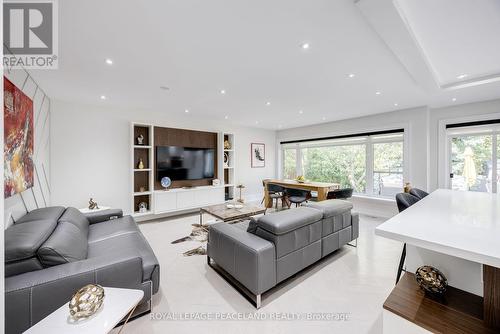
{"type": "Point", "coordinates": [387, 168]}
{"type": "Point", "coordinates": [289, 163]}
{"type": "Point", "coordinates": [345, 165]}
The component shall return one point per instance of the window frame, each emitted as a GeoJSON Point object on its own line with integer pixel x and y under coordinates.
{"type": "Point", "coordinates": [367, 140]}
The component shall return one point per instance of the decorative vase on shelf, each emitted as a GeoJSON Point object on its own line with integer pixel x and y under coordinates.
{"type": "Point", "coordinates": [141, 164]}
{"type": "Point", "coordinates": [227, 145]}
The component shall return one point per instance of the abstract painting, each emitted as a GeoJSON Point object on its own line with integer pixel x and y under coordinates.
{"type": "Point", "coordinates": [258, 152]}
{"type": "Point", "coordinates": [18, 140]}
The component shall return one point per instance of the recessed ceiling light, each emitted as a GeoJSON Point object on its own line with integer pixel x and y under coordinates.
{"type": "Point", "coordinates": [305, 46]}
{"type": "Point", "coordinates": [256, 122]}
{"type": "Point", "coordinates": [222, 91]}
{"type": "Point", "coordinates": [378, 93]}
{"type": "Point", "coordinates": [103, 97]}
{"type": "Point", "coordinates": [226, 117]}
{"type": "Point", "coordinates": [352, 75]}
{"type": "Point", "coordinates": [323, 118]}
{"type": "Point", "coordinates": [301, 112]}
{"type": "Point", "coordinates": [186, 111]}
{"type": "Point", "coordinates": [109, 61]}
{"type": "Point", "coordinates": [279, 126]}
{"type": "Point", "coordinates": [461, 76]}
{"type": "Point", "coordinates": [454, 99]}
{"type": "Point", "coordinates": [395, 104]}
{"type": "Point", "coordinates": [268, 103]}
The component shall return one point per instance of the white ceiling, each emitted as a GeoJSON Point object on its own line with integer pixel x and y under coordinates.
{"type": "Point", "coordinates": [252, 50]}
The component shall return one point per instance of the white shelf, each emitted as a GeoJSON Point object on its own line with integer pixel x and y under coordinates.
{"type": "Point", "coordinates": [229, 185]}
{"type": "Point", "coordinates": [228, 167]}
{"type": "Point", "coordinates": [142, 193]}
{"type": "Point", "coordinates": [138, 214]}
{"type": "Point", "coordinates": [142, 170]}
{"type": "Point", "coordinates": [142, 146]}
{"type": "Point", "coordinates": [231, 150]}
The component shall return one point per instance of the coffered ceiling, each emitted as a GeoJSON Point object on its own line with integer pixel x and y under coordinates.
{"type": "Point", "coordinates": [274, 64]}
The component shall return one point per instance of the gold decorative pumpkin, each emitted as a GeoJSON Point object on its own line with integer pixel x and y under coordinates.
{"type": "Point", "coordinates": [431, 280]}
{"type": "Point", "coordinates": [86, 301]}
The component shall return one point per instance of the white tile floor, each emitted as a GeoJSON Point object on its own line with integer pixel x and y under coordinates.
{"type": "Point", "coordinates": [352, 280]}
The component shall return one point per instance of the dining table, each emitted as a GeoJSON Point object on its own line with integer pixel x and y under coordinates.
{"type": "Point", "coordinates": [322, 188]}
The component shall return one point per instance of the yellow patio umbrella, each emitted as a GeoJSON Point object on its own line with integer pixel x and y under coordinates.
{"type": "Point", "coordinates": [469, 172]}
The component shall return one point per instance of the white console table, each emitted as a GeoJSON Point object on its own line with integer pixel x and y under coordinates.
{"type": "Point", "coordinates": [180, 199]}
{"type": "Point", "coordinates": [462, 225]}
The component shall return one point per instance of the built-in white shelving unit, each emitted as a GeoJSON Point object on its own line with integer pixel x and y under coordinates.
{"type": "Point", "coordinates": [227, 165]}
{"type": "Point", "coordinates": [142, 178]}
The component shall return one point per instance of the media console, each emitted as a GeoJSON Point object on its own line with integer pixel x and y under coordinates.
{"type": "Point", "coordinates": [177, 199]}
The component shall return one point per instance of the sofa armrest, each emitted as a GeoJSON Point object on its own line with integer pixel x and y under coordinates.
{"type": "Point", "coordinates": [103, 215]}
{"type": "Point", "coordinates": [248, 258]}
{"type": "Point", "coordinates": [34, 295]}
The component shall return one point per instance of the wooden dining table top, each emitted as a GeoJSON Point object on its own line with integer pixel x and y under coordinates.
{"type": "Point", "coordinates": [287, 182]}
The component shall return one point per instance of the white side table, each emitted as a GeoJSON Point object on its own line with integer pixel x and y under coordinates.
{"type": "Point", "coordinates": [101, 208]}
{"type": "Point", "coordinates": [118, 303]}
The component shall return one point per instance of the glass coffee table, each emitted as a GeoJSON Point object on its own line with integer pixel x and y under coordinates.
{"type": "Point", "coordinates": [231, 214]}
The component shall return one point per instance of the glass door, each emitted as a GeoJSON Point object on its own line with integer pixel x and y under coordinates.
{"type": "Point", "coordinates": [473, 165]}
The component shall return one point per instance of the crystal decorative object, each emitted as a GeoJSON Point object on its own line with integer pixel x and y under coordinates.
{"type": "Point", "coordinates": [86, 301]}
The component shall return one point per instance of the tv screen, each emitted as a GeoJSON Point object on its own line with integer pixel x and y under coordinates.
{"type": "Point", "coordinates": [184, 163]}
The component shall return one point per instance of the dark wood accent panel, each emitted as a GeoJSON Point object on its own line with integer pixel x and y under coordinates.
{"type": "Point", "coordinates": [141, 179]}
{"type": "Point", "coordinates": [185, 138]}
{"type": "Point", "coordinates": [139, 199]}
{"type": "Point", "coordinates": [138, 130]}
{"type": "Point", "coordinates": [491, 278]}
{"type": "Point", "coordinates": [457, 312]}
{"type": "Point", "coordinates": [141, 153]}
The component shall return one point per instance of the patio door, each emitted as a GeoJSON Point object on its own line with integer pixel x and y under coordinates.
{"type": "Point", "coordinates": [473, 159]}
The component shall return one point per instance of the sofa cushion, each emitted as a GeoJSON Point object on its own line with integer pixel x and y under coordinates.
{"type": "Point", "coordinates": [130, 242]}
{"type": "Point", "coordinates": [78, 219]}
{"type": "Point", "coordinates": [23, 240]}
{"type": "Point", "coordinates": [112, 228]}
{"type": "Point", "coordinates": [50, 213]}
{"type": "Point", "coordinates": [68, 243]}
{"type": "Point", "coordinates": [331, 207]}
{"type": "Point", "coordinates": [22, 266]}
{"type": "Point", "coordinates": [288, 220]}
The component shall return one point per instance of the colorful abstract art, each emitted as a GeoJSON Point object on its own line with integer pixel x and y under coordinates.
{"type": "Point", "coordinates": [18, 140]}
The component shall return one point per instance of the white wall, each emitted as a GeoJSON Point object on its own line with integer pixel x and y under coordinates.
{"type": "Point", "coordinates": [91, 152]}
{"type": "Point", "coordinates": [39, 195]}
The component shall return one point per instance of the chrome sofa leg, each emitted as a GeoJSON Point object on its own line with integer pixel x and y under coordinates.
{"type": "Point", "coordinates": [257, 301]}
{"type": "Point", "coordinates": [355, 244]}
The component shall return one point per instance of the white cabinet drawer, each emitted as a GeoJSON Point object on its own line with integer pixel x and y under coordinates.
{"type": "Point", "coordinates": [165, 201]}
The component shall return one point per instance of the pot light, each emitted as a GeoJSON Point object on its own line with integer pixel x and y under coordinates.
{"type": "Point", "coordinates": [301, 112]}
{"type": "Point", "coordinates": [323, 118]}
{"type": "Point", "coordinates": [305, 46]}
{"type": "Point", "coordinates": [279, 126]}
{"type": "Point", "coordinates": [256, 122]}
{"type": "Point", "coordinates": [268, 103]}
{"type": "Point", "coordinates": [461, 76]}
{"type": "Point", "coordinates": [222, 91]}
{"type": "Point", "coordinates": [103, 97]}
{"type": "Point", "coordinates": [454, 99]}
{"type": "Point", "coordinates": [109, 61]}
{"type": "Point", "coordinates": [395, 104]}
{"type": "Point", "coordinates": [378, 93]}
{"type": "Point", "coordinates": [226, 117]}
{"type": "Point", "coordinates": [186, 111]}
{"type": "Point", "coordinates": [352, 75]}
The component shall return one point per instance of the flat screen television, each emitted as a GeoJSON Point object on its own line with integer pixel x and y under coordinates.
{"type": "Point", "coordinates": [185, 163]}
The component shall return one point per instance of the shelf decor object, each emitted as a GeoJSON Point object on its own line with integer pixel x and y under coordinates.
{"type": "Point", "coordinates": [86, 301]}
{"type": "Point", "coordinates": [431, 280]}
{"type": "Point", "coordinates": [258, 152]}
{"type": "Point", "coordinates": [141, 157]}
{"type": "Point", "coordinates": [240, 188]}
{"type": "Point", "coordinates": [166, 182]}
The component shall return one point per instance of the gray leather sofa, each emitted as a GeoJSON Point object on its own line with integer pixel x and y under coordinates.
{"type": "Point", "coordinates": [51, 252]}
{"type": "Point", "coordinates": [259, 254]}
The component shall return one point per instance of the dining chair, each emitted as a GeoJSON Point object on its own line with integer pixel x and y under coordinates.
{"type": "Point", "coordinates": [264, 186]}
{"type": "Point", "coordinates": [344, 193]}
{"type": "Point", "coordinates": [276, 192]}
{"type": "Point", "coordinates": [418, 193]}
{"type": "Point", "coordinates": [296, 196]}
{"type": "Point", "coordinates": [404, 201]}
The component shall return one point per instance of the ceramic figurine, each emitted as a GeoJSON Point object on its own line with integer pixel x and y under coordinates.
{"type": "Point", "coordinates": [141, 164]}
{"type": "Point", "coordinates": [92, 204]}
{"type": "Point", "coordinates": [143, 207]}
{"type": "Point", "coordinates": [142, 189]}
{"type": "Point", "coordinates": [227, 145]}
{"type": "Point", "coordinates": [140, 140]}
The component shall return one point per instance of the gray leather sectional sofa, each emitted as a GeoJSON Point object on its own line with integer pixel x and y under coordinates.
{"type": "Point", "coordinates": [51, 252]}
{"type": "Point", "coordinates": [257, 255]}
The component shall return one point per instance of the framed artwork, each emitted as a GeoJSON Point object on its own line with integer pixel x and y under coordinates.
{"type": "Point", "coordinates": [18, 140]}
{"type": "Point", "coordinates": [258, 151]}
